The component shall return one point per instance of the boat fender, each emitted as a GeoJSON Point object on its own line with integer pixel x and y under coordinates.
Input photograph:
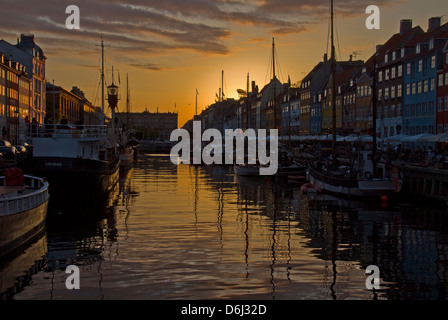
{"type": "Point", "coordinates": [368, 175]}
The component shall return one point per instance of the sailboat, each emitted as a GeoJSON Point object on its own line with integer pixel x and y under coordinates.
{"type": "Point", "coordinates": [366, 176]}
{"type": "Point", "coordinates": [77, 154]}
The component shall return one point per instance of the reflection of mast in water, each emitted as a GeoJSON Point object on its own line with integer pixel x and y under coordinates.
{"type": "Point", "coordinates": [334, 250]}
{"type": "Point", "coordinates": [196, 197]}
{"type": "Point", "coordinates": [246, 234]}
{"type": "Point", "coordinates": [220, 213]}
{"type": "Point", "coordinates": [274, 257]}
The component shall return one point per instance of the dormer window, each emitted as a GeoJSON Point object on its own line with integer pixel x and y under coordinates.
{"type": "Point", "coordinates": [402, 52]}
{"type": "Point", "coordinates": [431, 44]}
{"type": "Point", "coordinates": [394, 56]}
{"type": "Point", "coordinates": [386, 58]}
{"type": "Point", "coordinates": [417, 49]}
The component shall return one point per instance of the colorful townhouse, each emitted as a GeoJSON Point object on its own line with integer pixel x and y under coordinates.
{"type": "Point", "coordinates": [442, 91]}
{"type": "Point", "coordinates": [291, 112]}
{"type": "Point", "coordinates": [390, 80]}
{"type": "Point", "coordinates": [420, 110]}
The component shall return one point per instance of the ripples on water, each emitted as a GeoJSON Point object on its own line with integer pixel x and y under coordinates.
{"type": "Point", "coordinates": [197, 232]}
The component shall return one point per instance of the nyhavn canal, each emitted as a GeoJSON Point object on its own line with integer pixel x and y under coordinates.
{"type": "Point", "coordinates": [198, 232]}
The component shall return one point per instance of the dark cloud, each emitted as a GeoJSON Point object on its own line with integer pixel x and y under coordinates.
{"type": "Point", "coordinates": [162, 27]}
{"type": "Point", "coordinates": [148, 66]}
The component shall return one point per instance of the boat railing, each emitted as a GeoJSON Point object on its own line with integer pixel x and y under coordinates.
{"type": "Point", "coordinates": [66, 131]}
{"type": "Point", "coordinates": [34, 194]}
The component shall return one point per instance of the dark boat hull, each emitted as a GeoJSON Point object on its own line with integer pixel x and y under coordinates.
{"type": "Point", "coordinates": [91, 175]}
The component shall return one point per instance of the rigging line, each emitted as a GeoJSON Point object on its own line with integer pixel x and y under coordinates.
{"type": "Point", "coordinates": [269, 69]}
{"type": "Point", "coordinates": [337, 37]}
{"type": "Point", "coordinates": [328, 29]}
{"type": "Point", "coordinates": [278, 65]}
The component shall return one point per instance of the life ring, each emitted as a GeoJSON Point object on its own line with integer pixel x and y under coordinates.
{"type": "Point", "coordinates": [368, 175]}
{"type": "Point", "coordinates": [14, 177]}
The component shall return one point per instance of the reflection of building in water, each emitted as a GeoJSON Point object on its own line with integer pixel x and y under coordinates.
{"type": "Point", "coordinates": [411, 254]}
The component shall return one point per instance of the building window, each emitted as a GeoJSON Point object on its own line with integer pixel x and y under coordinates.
{"type": "Point", "coordinates": [399, 91]}
{"type": "Point", "coordinates": [408, 69]}
{"type": "Point", "coordinates": [400, 71]}
{"type": "Point", "coordinates": [392, 92]}
{"type": "Point", "coordinates": [432, 85]}
{"type": "Point", "coordinates": [386, 74]}
{"type": "Point", "coordinates": [386, 93]}
{"type": "Point", "coordinates": [393, 73]}
{"type": "Point", "coordinates": [408, 89]}
{"type": "Point", "coordinates": [425, 86]}
{"type": "Point", "coordinates": [394, 56]}
{"type": "Point", "coordinates": [433, 62]}
{"type": "Point", "coordinates": [414, 86]}
{"type": "Point", "coordinates": [420, 65]}
{"type": "Point", "coordinates": [440, 79]}
{"type": "Point", "coordinates": [380, 76]}
{"type": "Point", "coordinates": [439, 104]}
{"type": "Point", "coordinates": [380, 94]}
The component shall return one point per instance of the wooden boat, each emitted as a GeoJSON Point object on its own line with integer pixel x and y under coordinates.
{"type": "Point", "coordinates": [357, 180]}
{"type": "Point", "coordinates": [23, 209]}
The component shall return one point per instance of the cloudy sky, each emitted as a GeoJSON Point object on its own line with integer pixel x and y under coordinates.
{"type": "Point", "coordinates": [169, 48]}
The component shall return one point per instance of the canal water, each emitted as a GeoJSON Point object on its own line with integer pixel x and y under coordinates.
{"type": "Point", "coordinates": [198, 232]}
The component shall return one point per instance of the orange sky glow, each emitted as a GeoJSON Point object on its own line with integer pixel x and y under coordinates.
{"type": "Point", "coordinates": [169, 49]}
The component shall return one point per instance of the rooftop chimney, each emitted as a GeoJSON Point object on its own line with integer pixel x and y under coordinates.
{"type": "Point", "coordinates": [405, 25]}
{"type": "Point", "coordinates": [434, 23]}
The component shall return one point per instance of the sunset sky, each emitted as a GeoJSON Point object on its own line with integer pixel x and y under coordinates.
{"type": "Point", "coordinates": [169, 48]}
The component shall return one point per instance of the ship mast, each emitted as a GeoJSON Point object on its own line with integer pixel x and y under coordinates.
{"type": "Point", "coordinates": [247, 102]}
{"type": "Point", "coordinates": [333, 81]}
{"type": "Point", "coordinates": [102, 83]}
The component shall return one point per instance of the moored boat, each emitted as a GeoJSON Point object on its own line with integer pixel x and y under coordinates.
{"type": "Point", "coordinates": [127, 156]}
{"type": "Point", "coordinates": [358, 180]}
{"type": "Point", "coordinates": [85, 156]}
{"type": "Point", "coordinates": [23, 209]}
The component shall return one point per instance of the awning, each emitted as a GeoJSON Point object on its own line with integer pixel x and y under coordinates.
{"type": "Point", "coordinates": [417, 137]}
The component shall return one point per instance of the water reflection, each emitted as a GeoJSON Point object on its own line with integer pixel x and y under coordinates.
{"type": "Point", "coordinates": [198, 232]}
